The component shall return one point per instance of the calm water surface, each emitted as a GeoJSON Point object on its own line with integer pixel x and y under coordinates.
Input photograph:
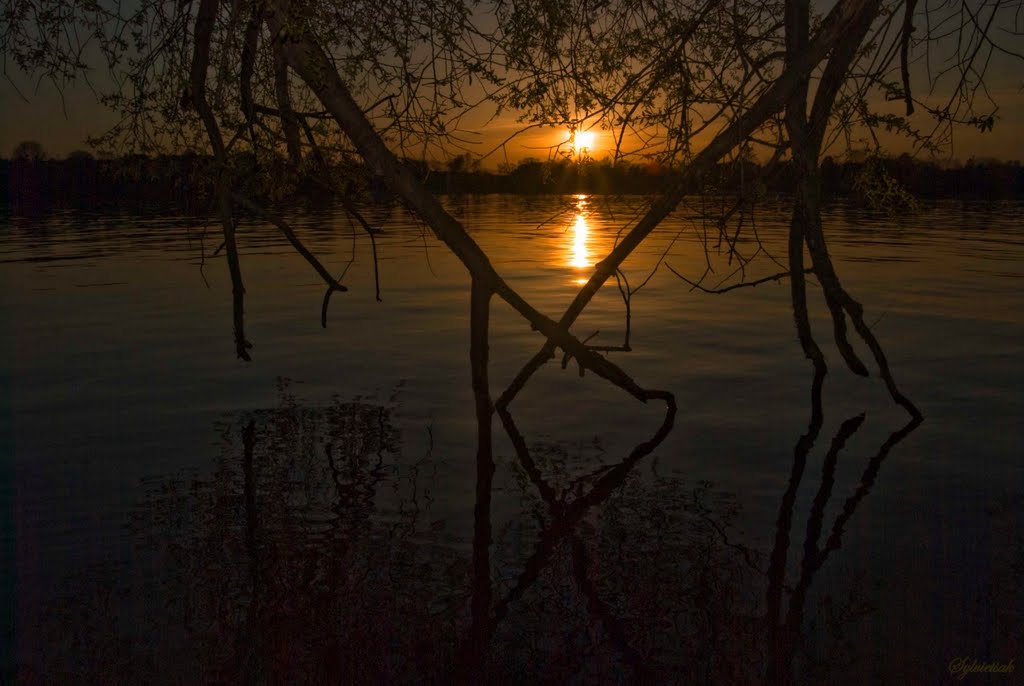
{"type": "Point", "coordinates": [175, 515]}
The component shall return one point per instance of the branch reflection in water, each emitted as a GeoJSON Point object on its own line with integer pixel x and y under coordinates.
{"type": "Point", "coordinates": [312, 552]}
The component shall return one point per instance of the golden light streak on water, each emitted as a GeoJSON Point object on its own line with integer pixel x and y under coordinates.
{"type": "Point", "coordinates": [579, 251]}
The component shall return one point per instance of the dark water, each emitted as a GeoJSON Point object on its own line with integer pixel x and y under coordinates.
{"type": "Point", "coordinates": [174, 515]}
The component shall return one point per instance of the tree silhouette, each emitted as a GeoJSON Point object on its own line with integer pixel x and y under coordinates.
{"type": "Point", "coordinates": [282, 91]}
{"type": "Point", "coordinates": [28, 151]}
{"type": "Point", "coordinates": [314, 83]}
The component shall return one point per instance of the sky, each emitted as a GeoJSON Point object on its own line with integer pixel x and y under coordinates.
{"type": "Point", "coordinates": [63, 126]}
{"type": "Point", "coordinates": [62, 122]}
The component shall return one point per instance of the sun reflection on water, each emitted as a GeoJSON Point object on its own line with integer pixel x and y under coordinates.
{"type": "Point", "coordinates": [579, 254]}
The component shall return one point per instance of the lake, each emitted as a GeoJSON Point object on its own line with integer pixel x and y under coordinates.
{"type": "Point", "coordinates": [175, 515]}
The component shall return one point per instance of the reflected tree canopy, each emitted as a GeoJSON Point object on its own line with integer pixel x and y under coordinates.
{"type": "Point", "coordinates": [312, 553]}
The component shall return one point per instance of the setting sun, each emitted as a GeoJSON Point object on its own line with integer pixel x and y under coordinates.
{"type": "Point", "coordinates": [582, 142]}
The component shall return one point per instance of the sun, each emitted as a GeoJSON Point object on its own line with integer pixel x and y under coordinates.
{"type": "Point", "coordinates": [582, 142]}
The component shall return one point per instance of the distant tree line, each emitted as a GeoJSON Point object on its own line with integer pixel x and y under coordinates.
{"type": "Point", "coordinates": [30, 182]}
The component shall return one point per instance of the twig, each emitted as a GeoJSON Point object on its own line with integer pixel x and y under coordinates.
{"type": "Point", "coordinates": [348, 206]}
{"type": "Point", "coordinates": [332, 283]}
{"type": "Point", "coordinates": [745, 284]}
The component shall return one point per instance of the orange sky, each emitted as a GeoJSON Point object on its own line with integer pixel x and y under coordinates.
{"type": "Point", "coordinates": [63, 127]}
